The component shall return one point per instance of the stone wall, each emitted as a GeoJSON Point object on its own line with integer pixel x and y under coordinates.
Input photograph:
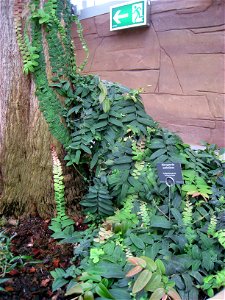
{"type": "Point", "coordinates": [178, 61]}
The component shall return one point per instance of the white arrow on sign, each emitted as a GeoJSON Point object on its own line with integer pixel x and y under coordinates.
{"type": "Point", "coordinates": [117, 16]}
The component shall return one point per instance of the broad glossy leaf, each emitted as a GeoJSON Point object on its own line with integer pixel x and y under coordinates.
{"type": "Point", "coordinates": [188, 281]}
{"type": "Point", "coordinates": [150, 264]}
{"type": "Point", "coordinates": [134, 271]}
{"type": "Point", "coordinates": [137, 241]}
{"type": "Point", "coordinates": [137, 261]}
{"type": "Point", "coordinates": [121, 294]}
{"type": "Point", "coordinates": [141, 281]}
{"type": "Point", "coordinates": [102, 291]}
{"type": "Point", "coordinates": [157, 144]}
{"type": "Point", "coordinates": [178, 281]}
{"type": "Point", "coordinates": [116, 122]}
{"type": "Point", "coordinates": [106, 105]}
{"type": "Point", "coordinates": [160, 266]}
{"type": "Point", "coordinates": [58, 283]}
{"type": "Point", "coordinates": [154, 283]}
{"type": "Point", "coordinates": [197, 276]}
{"type": "Point", "coordinates": [103, 93]}
{"type": "Point", "coordinates": [158, 153]}
{"type": "Point", "coordinates": [107, 270]}
{"type": "Point", "coordinates": [77, 289]}
{"type": "Point", "coordinates": [174, 295]}
{"type": "Point", "coordinates": [160, 222]}
{"type": "Point", "coordinates": [85, 148]}
{"type": "Point", "coordinates": [157, 294]}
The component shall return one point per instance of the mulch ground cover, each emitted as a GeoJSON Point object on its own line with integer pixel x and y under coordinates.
{"type": "Point", "coordinates": [33, 281]}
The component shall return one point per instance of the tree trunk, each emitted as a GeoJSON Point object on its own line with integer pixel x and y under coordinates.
{"type": "Point", "coordinates": [25, 158]}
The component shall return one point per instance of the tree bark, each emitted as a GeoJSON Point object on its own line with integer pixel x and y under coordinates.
{"type": "Point", "coordinates": [25, 158]}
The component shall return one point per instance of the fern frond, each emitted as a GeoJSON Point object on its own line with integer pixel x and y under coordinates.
{"type": "Point", "coordinates": [138, 150]}
{"type": "Point", "coordinates": [144, 213]}
{"type": "Point", "coordinates": [98, 200]}
{"type": "Point", "coordinates": [212, 225]}
{"type": "Point", "coordinates": [187, 213]}
{"type": "Point", "coordinates": [138, 167]}
{"type": "Point", "coordinates": [221, 237]}
{"type": "Point", "coordinates": [62, 220]}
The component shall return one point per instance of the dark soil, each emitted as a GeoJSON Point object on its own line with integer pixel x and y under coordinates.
{"type": "Point", "coordinates": [33, 281]}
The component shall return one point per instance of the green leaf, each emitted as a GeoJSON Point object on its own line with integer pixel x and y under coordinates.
{"type": "Point", "coordinates": [153, 250]}
{"type": "Point", "coordinates": [207, 261]}
{"type": "Point", "coordinates": [123, 160]}
{"type": "Point", "coordinates": [115, 122]}
{"type": "Point", "coordinates": [177, 215]}
{"type": "Point", "coordinates": [58, 283]}
{"type": "Point", "coordinates": [103, 91]}
{"type": "Point", "coordinates": [66, 86]}
{"type": "Point", "coordinates": [146, 121]}
{"type": "Point", "coordinates": [157, 294]}
{"type": "Point", "coordinates": [157, 144]}
{"type": "Point", "coordinates": [102, 291]}
{"type": "Point", "coordinates": [197, 276]}
{"type": "Point", "coordinates": [120, 293]}
{"type": "Point", "coordinates": [73, 109]}
{"type": "Point", "coordinates": [150, 264]}
{"type": "Point", "coordinates": [85, 92]}
{"type": "Point", "coordinates": [158, 153]}
{"type": "Point", "coordinates": [100, 124]}
{"type": "Point", "coordinates": [188, 281]}
{"type": "Point", "coordinates": [160, 222]}
{"type": "Point", "coordinates": [58, 273]}
{"type": "Point", "coordinates": [190, 188]}
{"type": "Point", "coordinates": [194, 293]}
{"type": "Point", "coordinates": [77, 289]}
{"type": "Point", "coordinates": [178, 281]}
{"type": "Point", "coordinates": [106, 105]}
{"type": "Point", "coordinates": [107, 270]}
{"type": "Point", "coordinates": [85, 148]}
{"type": "Point", "coordinates": [141, 281]}
{"type": "Point", "coordinates": [160, 266]}
{"type": "Point", "coordinates": [196, 252]}
{"type": "Point", "coordinates": [137, 241]}
{"type": "Point", "coordinates": [154, 283]}
{"type": "Point", "coordinates": [94, 160]}
{"type": "Point", "coordinates": [67, 222]}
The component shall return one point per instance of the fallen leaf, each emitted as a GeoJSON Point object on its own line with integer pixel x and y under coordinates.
{"type": "Point", "coordinates": [14, 272]}
{"type": "Point", "coordinates": [55, 263]}
{"type": "Point", "coordinates": [45, 282]}
{"type": "Point", "coordinates": [36, 252]}
{"type": "Point", "coordinates": [13, 222]}
{"type": "Point", "coordinates": [32, 270]}
{"type": "Point", "coordinates": [9, 288]}
{"type": "Point", "coordinates": [62, 265]}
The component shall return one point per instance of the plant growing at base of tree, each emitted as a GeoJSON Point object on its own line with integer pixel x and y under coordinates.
{"type": "Point", "coordinates": [61, 221]}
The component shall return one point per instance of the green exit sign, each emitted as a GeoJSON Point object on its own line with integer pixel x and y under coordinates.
{"type": "Point", "coordinates": [129, 14]}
